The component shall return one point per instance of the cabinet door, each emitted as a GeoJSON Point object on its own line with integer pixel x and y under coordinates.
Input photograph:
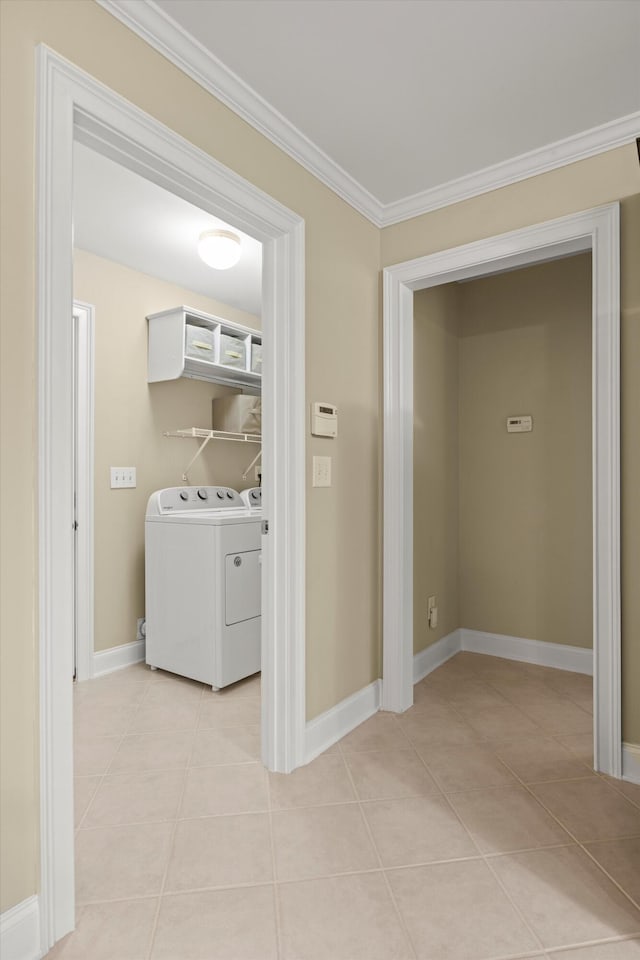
{"type": "Point", "coordinates": [242, 586]}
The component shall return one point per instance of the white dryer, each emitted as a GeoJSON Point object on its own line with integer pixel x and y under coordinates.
{"type": "Point", "coordinates": [203, 584]}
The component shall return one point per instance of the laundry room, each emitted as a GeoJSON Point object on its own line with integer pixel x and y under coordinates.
{"type": "Point", "coordinates": [136, 256]}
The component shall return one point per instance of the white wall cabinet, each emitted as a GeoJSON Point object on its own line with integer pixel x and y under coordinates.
{"type": "Point", "coordinates": [188, 343]}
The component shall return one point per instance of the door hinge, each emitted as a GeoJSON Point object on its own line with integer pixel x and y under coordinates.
{"type": "Point", "coordinates": [265, 527]}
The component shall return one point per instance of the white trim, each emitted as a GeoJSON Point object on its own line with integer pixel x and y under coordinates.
{"type": "Point", "coordinates": [631, 762]}
{"type": "Point", "coordinates": [20, 931]}
{"type": "Point", "coordinates": [84, 326]}
{"type": "Point", "coordinates": [580, 146]}
{"type": "Point", "coordinates": [117, 658]}
{"type": "Point", "coordinates": [557, 655]}
{"type": "Point", "coordinates": [72, 105]}
{"type": "Point", "coordinates": [597, 230]}
{"type": "Point", "coordinates": [429, 659]}
{"type": "Point", "coordinates": [325, 730]}
{"type": "Point", "coordinates": [166, 36]}
{"type": "Point", "coordinates": [161, 32]}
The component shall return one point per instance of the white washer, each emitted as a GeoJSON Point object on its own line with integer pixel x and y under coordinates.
{"type": "Point", "coordinates": [202, 578]}
{"type": "Point", "coordinates": [252, 497]}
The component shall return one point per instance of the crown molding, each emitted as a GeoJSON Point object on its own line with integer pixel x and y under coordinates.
{"type": "Point", "coordinates": [162, 33]}
{"type": "Point", "coordinates": [616, 133]}
{"type": "Point", "coordinates": [167, 37]}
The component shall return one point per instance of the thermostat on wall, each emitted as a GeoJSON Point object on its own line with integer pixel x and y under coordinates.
{"type": "Point", "coordinates": [519, 424]}
{"type": "Point", "coordinates": [324, 420]}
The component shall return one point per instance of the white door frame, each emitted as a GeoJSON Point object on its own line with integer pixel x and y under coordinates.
{"type": "Point", "coordinates": [596, 230]}
{"type": "Point", "coordinates": [72, 105]}
{"type": "Point", "coordinates": [83, 418]}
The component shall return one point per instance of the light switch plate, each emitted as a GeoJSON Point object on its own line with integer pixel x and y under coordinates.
{"type": "Point", "coordinates": [322, 471]}
{"type": "Point", "coordinates": [123, 477]}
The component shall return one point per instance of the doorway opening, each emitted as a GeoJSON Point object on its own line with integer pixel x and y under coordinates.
{"type": "Point", "coordinates": [74, 108]}
{"type": "Point", "coordinates": [595, 231]}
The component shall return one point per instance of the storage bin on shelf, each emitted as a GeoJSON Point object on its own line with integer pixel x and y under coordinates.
{"type": "Point", "coordinates": [233, 351]}
{"type": "Point", "coordinates": [237, 414]}
{"type": "Point", "coordinates": [199, 342]}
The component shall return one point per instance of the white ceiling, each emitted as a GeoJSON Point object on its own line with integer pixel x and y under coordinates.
{"type": "Point", "coordinates": [408, 95]}
{"type": "Point", "coordinates": [121, 216]}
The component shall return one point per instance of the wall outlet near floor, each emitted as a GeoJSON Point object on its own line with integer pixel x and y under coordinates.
{"type": "Point", "coordinates": [432, 612]}
{"type": "Point", "coordinates": [123, 477]}
{"type": "Point", "coordinates": [141, 628]}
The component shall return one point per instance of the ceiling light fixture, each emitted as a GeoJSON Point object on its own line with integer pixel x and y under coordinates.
{"type": "Point", "coordinates": [220, 249]}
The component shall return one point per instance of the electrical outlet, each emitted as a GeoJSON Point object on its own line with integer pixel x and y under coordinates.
{"type": "Point", "coordinates": [123, 477]}
{"type": "Point", "coordinates": [257, 474]}
{"type": "Point", "coordinates": [432, 612]}
{"type": "Point", "coordinates": [141, 628]}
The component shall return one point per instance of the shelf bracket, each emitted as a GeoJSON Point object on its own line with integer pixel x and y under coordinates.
{"type": "Point", "coordinates": [253, 463]}
{"type": "Point", "coordinates": [185, 475]}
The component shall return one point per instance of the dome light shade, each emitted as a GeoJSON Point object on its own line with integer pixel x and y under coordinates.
{"type": "Point", "coordinates": [220, 249]}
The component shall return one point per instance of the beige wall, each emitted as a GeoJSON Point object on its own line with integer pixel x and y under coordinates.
{"type": "Point", "coordinates": [342, 251]}
{"type": "Point", "coordinates": [611, 176]}
{"type": "Point", "coordinates": [435, 461]}
{"type": "Point", "coordinates": [525, 499]}
{"type": "Point", "coordinates": [131, 416]}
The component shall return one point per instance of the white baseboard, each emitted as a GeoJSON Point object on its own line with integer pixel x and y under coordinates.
{"type": "Point", "coordinates": [329, 727]}
{"type": "Point", "coordinates": [115, 658]}
{"type": "Point", "coordinates": [557, 655]}
{"type": "Point", "coordinates": [20, 931]}
{"type": "Point", "coordinates": [434, 656]}
{"type": "Point", "coordinates": [631, 762]}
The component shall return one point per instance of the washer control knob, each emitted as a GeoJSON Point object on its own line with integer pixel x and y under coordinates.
{"type": "Point", "coordinates": [237, 562]}
{"type": "Point", "coordinates": [202, 493]}
{"type": "Point", "coordinates": [184, 495]}
{"type": "Point", "coordinates": [254, 495]}
{"type": "Point", "coordinates": [220, 495]}
{"type": "Point", "coordinates": [229, 495]}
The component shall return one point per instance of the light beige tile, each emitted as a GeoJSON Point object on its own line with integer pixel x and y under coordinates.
{"type": "Point", "coordinates": [239, 744]}
{"type": "Point", "coordinates": [441, 725]}
{"type": "Point", "coordinates": [249, 687]}
{"type": "Point", "coordinates": [561, 717]}
{"type": "Point", "coordinates": [102, 719]}
{"type": "Point", "coordinates": [319, 841]}
{"type": "Point", "coordinates": [92, 755]}
{"type": "Point", "coordinates": [460, 667]}
{"type": "Point", "coordinates": [621, 950]}
{"type": "Point", "coordinates": [507, 818]}
{"type": "Point", "coordinates": [148, 751]}
{"type": "Point", "coordinates": [580, 744]}
{"type": "Point", "coordinates": [341, 918]}
{"type": "Point", "coordinates": [629, 790]}
{"type": "Point", "coordinates": [543, 759]}
{"type": "Point", "coordinates": [104, 690]}
{"type": "Point", "coordinates": [110, 931]}
{"type": "Point", "coordinates": [145, 797]}
{"type": "Point", "coordinates": [121, 862]}
{"type": "Point", "coordinates": [470, 695]}
{"type": "Point", "coordinates": [228, 713]}
{"type": "Point", "coordinates": [176, 690]}
{"type": "Point", "coordinates": [465, 768]}
{"type": "Point", "coordinates": [220, 851]}
{"type": "Point", "coordinates": [457, 911]}
{"type": "Point", "coordinates": [386, 774]}
{"type": "Point", "coordinates": [210, 791]}
{"type": "Point", "coordinates": [589, 808]}
{"type": "Point", "coordinates": [621, 860]}
{"type": "Point", "coordinates": [379, 732]}
{"type": "Point", "coordinates": [324, 780]}
{"type": "Point", "coordinates": [565, 897]}
{"type": "Point", "coordinates": [165, 718]}
{"type": "Point", "coordinates": [226, 924]}
{"type": "Point", "coordinates": [417, 830]}
{"type": "Point", "coordinates": [574, 685]}
{"type": "Point", "coordinates": [503, 723]}
{"type": "Point", "coordinates": [83, 790]}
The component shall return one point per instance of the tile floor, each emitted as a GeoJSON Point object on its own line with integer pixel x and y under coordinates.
{"type": "Point", "coordinates": [472, 827]}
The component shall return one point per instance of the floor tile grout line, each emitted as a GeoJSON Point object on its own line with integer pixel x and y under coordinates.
{"type": "Point", "coordinates": [485, 860]}
{"type": "Point", "coordinates": [392, 896]}
{"type": "Point", "coordinates": [579, 843]}
{"type": "Point", "coordinates": [171, 847]}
